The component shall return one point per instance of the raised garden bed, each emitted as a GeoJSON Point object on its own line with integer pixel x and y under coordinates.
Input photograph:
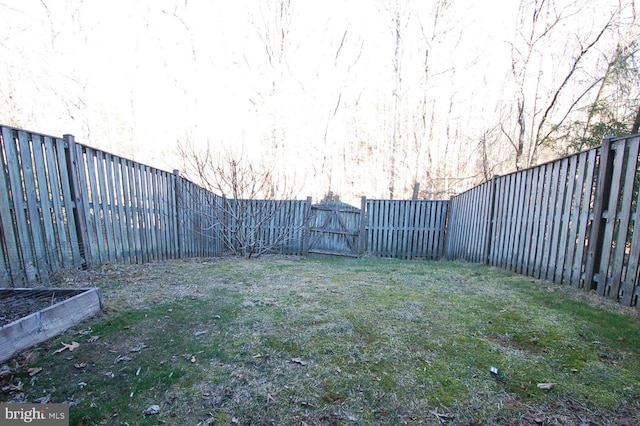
{"type": "Point", "coordinates": [31, 316]}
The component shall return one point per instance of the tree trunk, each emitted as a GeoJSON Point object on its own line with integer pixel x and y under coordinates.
{"type": "Point", "coordinates": [636, 123]}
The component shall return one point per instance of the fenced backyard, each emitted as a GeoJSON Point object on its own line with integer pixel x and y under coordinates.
{"type": "Point", "coordinates": [64, 205]}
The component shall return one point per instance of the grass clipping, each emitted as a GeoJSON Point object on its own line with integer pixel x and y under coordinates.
{"type": "Point", "coordinates": [332, 341]}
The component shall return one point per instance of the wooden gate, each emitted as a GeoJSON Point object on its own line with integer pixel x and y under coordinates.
{"type": "Point", "coordinates": [335, 229]}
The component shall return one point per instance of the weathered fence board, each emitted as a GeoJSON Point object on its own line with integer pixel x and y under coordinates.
{"type": "Point", "coordinates": [406, 229]}
{"type": "Point", "coordinates": [68, 213]}
{"type": "Point", "coordinates": [56, 193]}
{"type": "Point", "coordinates": [569, 221]}
{"type": "Point", "coordinates": [11, 243]}
{"type": "Point", "coordinates": [622, 243]}
{"type": "Point", "coordinates": [334, 229]}
{"type": "Point", "coordinates": [520, 259]}
{"type": "Point", "coordinates": [471, 223]}
{"type": "Point", "coordinates": [617, 235]}
{"type": "Point", "coordinates": [18, 200]}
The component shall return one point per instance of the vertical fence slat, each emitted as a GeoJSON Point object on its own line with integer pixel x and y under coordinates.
{"type": "Point", "coordinates": [62, 237]}
{"type": "Point", "coordinates": [565, 229]}
{"type": "Point", "coordinates": [35, 221]}
{"type": "Point", "coordinates": [51, 246]}
{"type": "Point", "coordinates": [560, 180]}
{"type": "Point", "coordinates": [11, 238]}
{"type": "Point", "coordinates": [19, 207]}
{"type": "Point", "coordinates": [105, 207]}
{"type": "Point", "coordinates": [584, 229]}
{"type": "Point", "coordinates": [609, 216]}
{"type": "Point", "coordinates": [597, 230]}
{"type": "Point", "coordinates": [631, 168]}
{"type": "Point", "coordinates": [577, 184]}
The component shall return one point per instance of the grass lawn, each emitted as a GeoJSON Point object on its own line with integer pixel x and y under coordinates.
{"type": "Point", "coordinates": [289, 341]}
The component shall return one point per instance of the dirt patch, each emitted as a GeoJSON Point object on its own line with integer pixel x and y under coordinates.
{"type": "Point", "coordinates": [13, 308]}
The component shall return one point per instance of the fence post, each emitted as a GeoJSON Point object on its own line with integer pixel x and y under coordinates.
{"type": "Point", "coordinates": [600, 203]}
{"type": "Point", "coordinates": [177, 197]}
{"type": "Point", "coordinates": [307, 225]}
{"type": "Point", "coordinates": [490, 224]}
{"type": "Point", "coordinates": [74, 182]}
{"type": "Point", "coordinates": [364, 221]}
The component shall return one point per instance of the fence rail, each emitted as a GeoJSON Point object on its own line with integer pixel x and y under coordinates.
{"type": "Point", "coordinates": [570, 221]}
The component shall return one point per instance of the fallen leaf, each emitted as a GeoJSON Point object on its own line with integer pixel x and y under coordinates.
{"type": "Point", "coordinates": [139, 348]}
{"type": "Point", "coordinates": [153, 409]}
{"type": "Point", "coordinates": [442, 416]}
{"type": "Point", "coordinates": [12, 388]}
{"type": "Point", "coordinates": [34, 371]}
{"type": "Point", "coordinates": [6, 371]}
{"type": "Point", "coordinates": [299, 361]}
{"type": "Point", "coordinates": [80, 365]}
{"type": "Point", "coordinates": [193, 359]}
{"type": "Point", "coordinates": [66, 346]}
{"type": "Point", "coordinates": [121, 358]}
{"type": "Point", "coordinates": [546, 386]}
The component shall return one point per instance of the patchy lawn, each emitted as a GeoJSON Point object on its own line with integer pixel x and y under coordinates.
{"type": "Point", "coordinates": [290, 341]}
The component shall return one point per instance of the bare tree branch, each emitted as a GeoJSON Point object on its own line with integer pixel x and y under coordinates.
{"type": "Point", "coordinates": [538, 140]}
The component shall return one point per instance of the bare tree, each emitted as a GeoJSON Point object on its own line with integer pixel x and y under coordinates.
{"type": "Point", "coordinates": [540, 110]}
{"type": "Point", "coordinates": [251, 198]}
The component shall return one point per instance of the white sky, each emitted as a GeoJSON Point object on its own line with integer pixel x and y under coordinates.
{"type": "Point", "coordinates": [132, 77]}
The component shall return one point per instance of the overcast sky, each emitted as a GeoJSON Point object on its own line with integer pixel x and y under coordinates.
{"type": "Point", "coordinates": [172, 65]}
{"type": "Point", "coordinates": [133, 77]}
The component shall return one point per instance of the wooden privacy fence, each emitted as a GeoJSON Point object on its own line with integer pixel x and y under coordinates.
{"type": "Point", "coordinates": [406, 229]}
{"type": "Point", "coordinates": [65, 205]}
{"type": "Point", "coordinates": [570, 221]}
{"type": "Point", "coordinates": [254, 227]}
